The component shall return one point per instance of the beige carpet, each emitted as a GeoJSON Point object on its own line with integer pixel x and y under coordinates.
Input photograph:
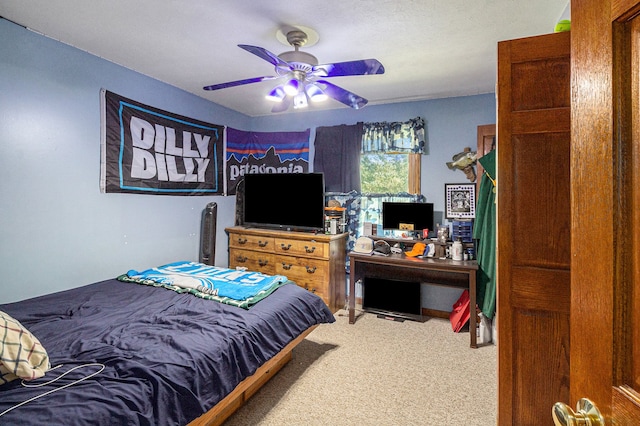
{"type": "Point", "coordinates": [380, 372]}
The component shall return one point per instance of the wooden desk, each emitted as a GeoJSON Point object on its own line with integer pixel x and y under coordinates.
{"type": "Point", "coordinates": [452, 273]}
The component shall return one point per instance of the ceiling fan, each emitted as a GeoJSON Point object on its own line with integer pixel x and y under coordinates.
{"type": "Point", "coordinates": [303, 78]}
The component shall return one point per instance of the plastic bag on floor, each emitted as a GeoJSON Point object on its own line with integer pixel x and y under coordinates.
{"type": "Point", "coordinates": [484, 329]}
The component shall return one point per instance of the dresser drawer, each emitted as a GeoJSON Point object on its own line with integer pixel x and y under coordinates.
{"type": "Point", "coordinates": [252, 260]}
{"type": "Point", "coordinates": [310, 274]}
{"type": "Point", "coordinates": [315, 288]}
{"type": "Point", "coordinates": [302, 248]}
{"type": "Point", "coordinates": [251, 242]}
{"type": "Point", "coordinates": [300, 268]}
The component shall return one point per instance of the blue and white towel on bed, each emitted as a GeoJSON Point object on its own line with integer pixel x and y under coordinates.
{"type": "Point", "coordinates": [231, 286]}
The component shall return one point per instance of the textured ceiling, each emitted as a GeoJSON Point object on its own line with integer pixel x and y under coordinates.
{"type": "Point", "coordinates": [429, 48]}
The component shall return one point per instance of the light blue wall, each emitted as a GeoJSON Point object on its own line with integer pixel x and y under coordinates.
{"type": "Point", "coordinates": [58, 231]}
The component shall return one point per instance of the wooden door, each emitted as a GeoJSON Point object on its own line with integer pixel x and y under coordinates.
{"type": "Point", "coordinates": [605, 206]}
{"type": "Point", "coordinates": [533, 235]}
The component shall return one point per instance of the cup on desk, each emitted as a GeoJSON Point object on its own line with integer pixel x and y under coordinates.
{"type": "Point", "coordinates": [443, 234]}
{"type": "Point", "coordinates": [456, 250]}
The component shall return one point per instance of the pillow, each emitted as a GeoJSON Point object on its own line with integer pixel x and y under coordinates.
{"type": "Point", "coordinates": [21, 354]}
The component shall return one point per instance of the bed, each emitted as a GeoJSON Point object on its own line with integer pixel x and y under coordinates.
{"type": "Point", "coordinates": [149, 354]}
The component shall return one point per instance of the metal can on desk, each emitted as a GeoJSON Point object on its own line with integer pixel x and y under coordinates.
{"type": "Point", "coordinates": [471, 253]}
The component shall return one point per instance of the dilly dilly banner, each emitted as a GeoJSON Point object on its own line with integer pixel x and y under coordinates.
{"type": "Point", "coordinates": [145, 150]}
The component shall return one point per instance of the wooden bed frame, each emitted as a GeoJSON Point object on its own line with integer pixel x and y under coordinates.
{"type": "Point", "coordinates": [249, 386]}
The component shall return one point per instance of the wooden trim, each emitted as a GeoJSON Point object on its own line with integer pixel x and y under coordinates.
{"type": "Point", "coordinates": [625, 404]}
{"type": "Point", "coordinates": [485, 132]}
{"type": "Point", "coordinates": [434, 313]}
{"type": "Point", "coordinates": [414, 173]}
{"type": "Point", "coordinates": [624, 10]}
{"type": "Point", "coordinates": [249, 386]}
{"type": "Point", "coordinates": [593, 206]}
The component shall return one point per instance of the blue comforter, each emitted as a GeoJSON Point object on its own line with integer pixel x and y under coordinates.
{"type": "Point", "coordinates": [168, 356]}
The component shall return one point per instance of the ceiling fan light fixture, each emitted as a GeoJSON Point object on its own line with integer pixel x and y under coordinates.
{"type": "Point", "coordinates": [298, 57]}
{"type": "Point", "coordinates": [315, 94]}
{"type": "Point", "coordinates": [300, 100]}
{"type": "Point", "coordinates": [292, 87]}
{"type": "Point", "coordinates": [302, 79]}
{"type": "Point", "coordinates": [276, 95]}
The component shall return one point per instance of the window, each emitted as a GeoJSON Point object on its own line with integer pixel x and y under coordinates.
{"type": "Point", "coordinates": [390, 157]}
{"type": "Point", "coordinates": [384, 178]}
{"type": "Point", "coordinates": [389, 164]}
{"type": "Point", "coordinates": [392, 173]}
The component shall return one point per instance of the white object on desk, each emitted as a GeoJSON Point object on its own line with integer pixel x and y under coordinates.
{"type": "Point", "coordinates": [456, 251]}
{"type": "Point", "coordinates": [431, 250]}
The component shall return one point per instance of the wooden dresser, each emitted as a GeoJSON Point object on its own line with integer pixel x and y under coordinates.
{"type": "Point", "coordinates": [313, 261]}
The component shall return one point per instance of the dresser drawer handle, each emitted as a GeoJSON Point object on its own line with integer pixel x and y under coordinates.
{"type": "Point", "coordinates": [286, 266]}
{"type": "Point", "coordinates": [310, 269]}
{"type": "Point", "coordinates": [285, 247]}
{"type": "Point", "coordinates": [262, 262]}
{"type": "Point", "coordinates": [310, 250]}
{"type": "Point", "coordinates": [263, 243]}
{"type": "Point", "coordinates": [241, 259]}
{"type": "Point", "coordinates": [242, 240]}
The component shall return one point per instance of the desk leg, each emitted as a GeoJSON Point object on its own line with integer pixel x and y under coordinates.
{"type": "Point", "coordinates": [472, 309]}
{"type": "Point", "coordinates": [352, 296]}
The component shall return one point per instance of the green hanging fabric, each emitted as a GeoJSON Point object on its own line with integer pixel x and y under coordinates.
{"type": "Point", "coordinates": [484, 231]}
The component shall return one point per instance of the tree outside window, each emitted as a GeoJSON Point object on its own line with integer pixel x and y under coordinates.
{"type": "Point", "coordinates": [382, 173]}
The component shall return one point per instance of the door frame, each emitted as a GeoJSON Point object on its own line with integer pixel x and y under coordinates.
{"type": "Point", "coordinates": [603, 209]}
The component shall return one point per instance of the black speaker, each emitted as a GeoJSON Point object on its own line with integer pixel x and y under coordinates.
{"type": "Point", "coordinates": [208, 234]}
{"type": "Point", "coordinates": [240, 203]}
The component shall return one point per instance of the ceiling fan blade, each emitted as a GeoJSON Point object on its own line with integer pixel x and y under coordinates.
{"type": "Point", "coordinates": [361, 67]}
{"type": "Point", "coordinates": [282, 106]}
{"type": "Point", "coordinates": [238, 82]}
{"type": "Point", "coordinates": [342, 95]}
{"type": "Point", "coordinates": [265, 54]}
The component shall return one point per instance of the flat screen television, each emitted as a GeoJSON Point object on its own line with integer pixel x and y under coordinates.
{"type": "Point", "coordinates": [397, 215]}
{"type": "Point", "coordinates": [286, 201]}
{"type": "Point", "coordinates": [392, 298]}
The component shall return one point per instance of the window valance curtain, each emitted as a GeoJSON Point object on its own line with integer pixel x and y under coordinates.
{"type": "Point", "coordinates": [408, 136]}
{"type": "Point", "coordinates": [338, 149]}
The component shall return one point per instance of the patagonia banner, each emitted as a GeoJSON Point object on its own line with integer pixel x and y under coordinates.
{"type": "Point", "coordinates": [149, 151]}
{"type": "Point", "coordinates": [263, 152]}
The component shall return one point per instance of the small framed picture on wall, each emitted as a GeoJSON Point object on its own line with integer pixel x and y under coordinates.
{"type": "Point", "coordinates": [460, 200]}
